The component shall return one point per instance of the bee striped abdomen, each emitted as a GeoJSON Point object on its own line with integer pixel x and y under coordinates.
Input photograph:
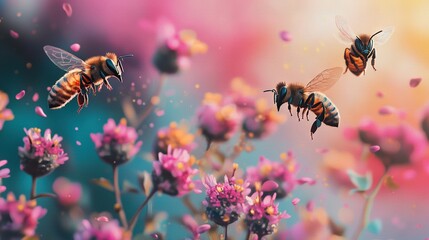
{"type": "Point", "coordinates": [64, 90]}
{"type": "Point", "coordinates": [356, 64]}
{"type": "Point", "coordinates": [332, 116]}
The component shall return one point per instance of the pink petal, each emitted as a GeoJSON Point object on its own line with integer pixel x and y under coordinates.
{"type": "Point", "coordinates": [414, 82]}
{"type": "Point", "coordinates": [3, 162]}
{"type": "Point", "coordinates": [102, 219]}
{"type": "Point", "coordinates": [305, 180]}
{"type": "Point", "coordinates": [2, 189]}
{"type": "Point", "coordinates": [310, 206]}
{"type": "Point", "coordinates": [322, 150]}
{"type": "Point", "coordinates": [374, 148]}
{"type": "Point", "coordinates": [39, 111]}
{"type": "Point", "coordinates": [285, 36]}
{"type": "Point", "coordinates": [295, 201]}
{"type": "Point", "coordinates": [14, 34]}
{"type": "Point", "coordinates": [203, 228]}
{"type": "Point", "coordinates": [379, 94]}
{"type": "Point", "coordinates": [75, 47]}
{"type": "Point", "coordinates": [68, 9]}
{"type": "Point", "coordinates": [269, 186]}
{"type": "Point", "coordinates": [159, 112]}
{"type": "Point", "coordinates": [35, 97]}
{"type": "Point", "coordinates": [386, 110]}
{"type": "Point", "coordinates": [20, 95]}
{"type": "Point", "coordinates": [78, 143]}
{"type": "Point", "coordinates": [4, 173]}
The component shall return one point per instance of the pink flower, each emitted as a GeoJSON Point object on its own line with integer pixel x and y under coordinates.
{"type": "Point", "coordinates": [193, 226]}
{"type": "Point", "coordinates": [283, 173]}
{"type": "Point", "coordinates": [262, 215]}
{"type": "Point", "coordinates": [101, 230]}
{"type": "Point", "coordinates": [172, 173]}
{"type": "Point", "coordinates": [40, 155]}
{"type": "Point", "coordinates": [225, 202]}
{"type": "Point", "coordinates": [174, 136]}
{"type": "Point", "coordinates": [399, 144]}
{"type": "Point", "coordinates": [117, 145]}
{"type": "Point", "coordinates": [19, 217]}
{"type": "Point", "coordinates": [68, 193]}
{"type": "Point", "coordinates": [4, 173]}
{"type": "Point", "coordinates": [5, 114]}
{"type": "Point", "coordinates": [218, 120]}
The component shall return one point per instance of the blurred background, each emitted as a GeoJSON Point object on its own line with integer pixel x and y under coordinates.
{"type": "Point", "coordinates": [243, 41]}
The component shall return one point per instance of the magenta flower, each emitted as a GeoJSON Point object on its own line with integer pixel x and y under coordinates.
{"type": "Point", "coordinates": [4, 173]}
{"type": "Point", "coordinates": [40, 155]}
{"type": "Point", "coordinates": [263, 216]}
{"type": "Point", "coordinates": [101, 228]}
{"type": "Point", "coordinates": [399, 144]}
{"type": "Point", "coordinates": [68, 193]}
{"type": "Point", "coordinates": [117, 145]}
{"type": "Point", "coordinates": [283, 173]}
{"type": "Point", "coordinates": [175, 49]}
{"type": "Point", "coordinates": [193, 226]}
{"type": "Point", "coordinates": [217, 120]}
{"type": "Point", "coordinates": [19, 217]}
{"type": "Point", "coordinates": [5, 114]}
{"type": "Point", "coordinates": [172, 173]}
{"type": "Point", "coordinates": [225, 202]}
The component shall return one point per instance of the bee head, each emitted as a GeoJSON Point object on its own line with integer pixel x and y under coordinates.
{"type": "Point", "coordinates": [365, 44]}
{"type": "Point", "coordinates": [114, 64]}
{"type": "Point", "coordinates": [279, 94]}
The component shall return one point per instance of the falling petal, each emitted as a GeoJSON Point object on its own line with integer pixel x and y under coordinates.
{"type": "Point", "coordinates": [78, 143]}
{"type": "Point", "coordinates": [35, 97]}
{"type": "Point", "coordinates": [379, 94]}
{"type": "Point", "coordinates": [14, 34]}
{"type": "Point", "coordinates": [322, 150]}
{"type": "Point", "coordinates": [75, 47]}
{"type": "Point", "coordinates": [102, 219]}
{"type": "Point", "coordinates": [374, 148]}
{"type": "Point", "coordinates": [2, 189]}
{"type": "Point", "coordinates": [414, 82]}
{"type": "Point", "coordinates": [48, 89]}
{"type": "Point", "coordinates": [295, 201]}
{"type": "Point", "coordinates": [20, 95]}
{"type": "Point", "coordinates": [39, 111]}
{"type": "Point", "coordinates": [305, 180]}
{"type": "Point", "coordinates": [269, 186]}
{"type": "Point", "coordinates": [285, 36]}
{"type": "Point", "coordinates": [159, 112]}
{"type": "Point", "coordinates": [386, 110]}
{"type": "Point", "coordinates": [375, 226]}
{"type": "Point", "coordinates": [203, 228]}
{"type": "Point", "coordinates": [310, 206]}
{"type": "Point", "coordinates": [68, 9]}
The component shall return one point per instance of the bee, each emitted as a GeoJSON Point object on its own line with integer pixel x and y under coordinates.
{"type": "Point", "coordinates": [81, 76]}
{"type": "Point", "coordinates": [362, 47]}
{"type": "Point", "coordinates": [309, 98]}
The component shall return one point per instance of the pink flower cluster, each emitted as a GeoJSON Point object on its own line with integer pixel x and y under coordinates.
{"type": "Point", "coordinates": [193, 226]}
{"type": "Point", "coordinates": [5, 114]}
{"type": "Point", "coordinates": [225, 202]}
{"type": "Point", "coordinates": [101, 229]}
{"type": "Point", "coordinates": [172, 173]}
{"type": "Point", "coordinates": [41, 154]}
{"type": "Point", "coordinates": [262, 214]}
{"type": "Point", "coordinates": [4, 173]}
{"type": "Point", "coordinates": [19, 217]}
{"type": "Point", "coordinates": [68, 193]}
{"type": "Point", "coordinates": [117, 145]}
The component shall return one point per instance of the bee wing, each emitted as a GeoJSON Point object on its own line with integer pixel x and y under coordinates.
{"type": "Point", "coordinates": [64, 60]}
{"type": "Point", "coordinates": [382, 37]}
{"type": "Point", "coordinates": [347, 34]}
{"type": "Point", "coordinates": [324, 80]}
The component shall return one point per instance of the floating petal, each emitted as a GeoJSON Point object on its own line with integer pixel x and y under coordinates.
{"type": "Point", "coordinates": [374, 148]}
{"type": "Point", "coordinates": [35, 97]}
{"type": "Point", "coordinates": [414, 82]}
{"type": "Point", "coordinates": [295, 201]}
{"type": "Point", "coordinates": [68, 9]}
{"type": "Point", "coordinates": [14, 34]}
{"type": "Point", "coordinates": [75, 47]}
{"type": "Point", "coordinates": [39, 111]}
{"type": "Point", "coordinates": [20, 95]}
{"type": "Point", "coordinates": [285, 36]}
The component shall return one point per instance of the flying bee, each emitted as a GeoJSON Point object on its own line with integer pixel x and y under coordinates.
{"type": "Point", "coordinates": [309, 98]}
{"type": "Point", "coordinates": [362, 47]}
{"type": "Point", "coordinates": [81, 76]}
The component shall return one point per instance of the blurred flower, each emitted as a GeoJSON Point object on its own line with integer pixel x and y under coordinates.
{"type": "Point", "coordinates": [19, 217]}
{"type": "Point", "coordinates": [4, 173]}
{"type": "Point", "coordinates": [117, 145]}
{"type": "Point", "coordinates": [193, 226]}
{"type": "Point", "coordinates": [283, 173]}
{"type": "Point", "coordinates": [68, 193]}
{"type": "Point", "coordinates": [263, 216]}
{"type": "Point", "coordinates": [399, 145]}
{"type": "Point", "coordinates": [174, 136]}
{"type": "Point", "coordinates": [5, 114]}
{"type": "Point", "coordinates": [335, 165]}
{"type": "Point", "coordinates": [101, 230]}
{"type": "Point", "coordinates": [225, 201]}
{"type": "Point", "coordinates": [41, 154]}
{"type": "Point", "coordinates": [424, 122]}
{"type": "Point", "coordinates": [243, 95]}
{"type": "Point", "coordinates": [172, 173]}
{"type": "Point", "coordinates": [262, 121]}
{"type": "Point", "coordinates": [175, 49]}
{"type": "Point", "coordinates": [362, 182]}
{"type": "Point", "coordinates": [217, 120]}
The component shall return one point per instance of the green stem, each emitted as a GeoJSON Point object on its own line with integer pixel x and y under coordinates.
{"type": "Point", "coordinates": [118, 206]}
{"type": "Point", "coordinates": [369, 202]}
{"type": "Point", "coordinates": [133, 220]}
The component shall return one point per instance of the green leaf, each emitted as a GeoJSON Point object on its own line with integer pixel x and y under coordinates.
{"type": "Point", "coordinates": [129, 187]}
{"type": "Point", "coordinates": [145, 182]}
{"type": "Point", "coordinates": [104, 183]}
{"type": "Point", "coordinates": [362, 182]}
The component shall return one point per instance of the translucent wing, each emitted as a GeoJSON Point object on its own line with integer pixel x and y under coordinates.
{"type": "Point", "coordinates": [324, 80]}
{"type": "Point", "coordinates": [346, 33]}
{"type": "Point", "coordinates": [64, 60]}
{"type": "Point", "coordinates": [382, 37]}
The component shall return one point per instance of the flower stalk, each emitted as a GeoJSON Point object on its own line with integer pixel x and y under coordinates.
{"type": "Point", "coordinates": [118, 205]}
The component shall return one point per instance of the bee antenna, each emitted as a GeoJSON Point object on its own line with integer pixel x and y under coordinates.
{"type": "Point", "coordinates": [275, 94]}
{"type": "Point", "coordinates": [375, 34]}
{"type": "Point", "coordinates": [126, 56]}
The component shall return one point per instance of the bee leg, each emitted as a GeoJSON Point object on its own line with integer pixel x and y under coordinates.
{"type": "Point", "coordinates": [373, 59]}
{"type": "Point", "coordinates": [289, 108]}
{"type": "Point", "coordinates": [90, 80]}
{"type": "Point", "coordinates": [105, 81]}
{"type": "Point", "coordinates": [297, 113]}
{"type": "Point", "coordinates": [345, 59]}
{"type": "Point", "coordinates": [80, 101]}
{"type": "Point", "coordinates": [319, 120]}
